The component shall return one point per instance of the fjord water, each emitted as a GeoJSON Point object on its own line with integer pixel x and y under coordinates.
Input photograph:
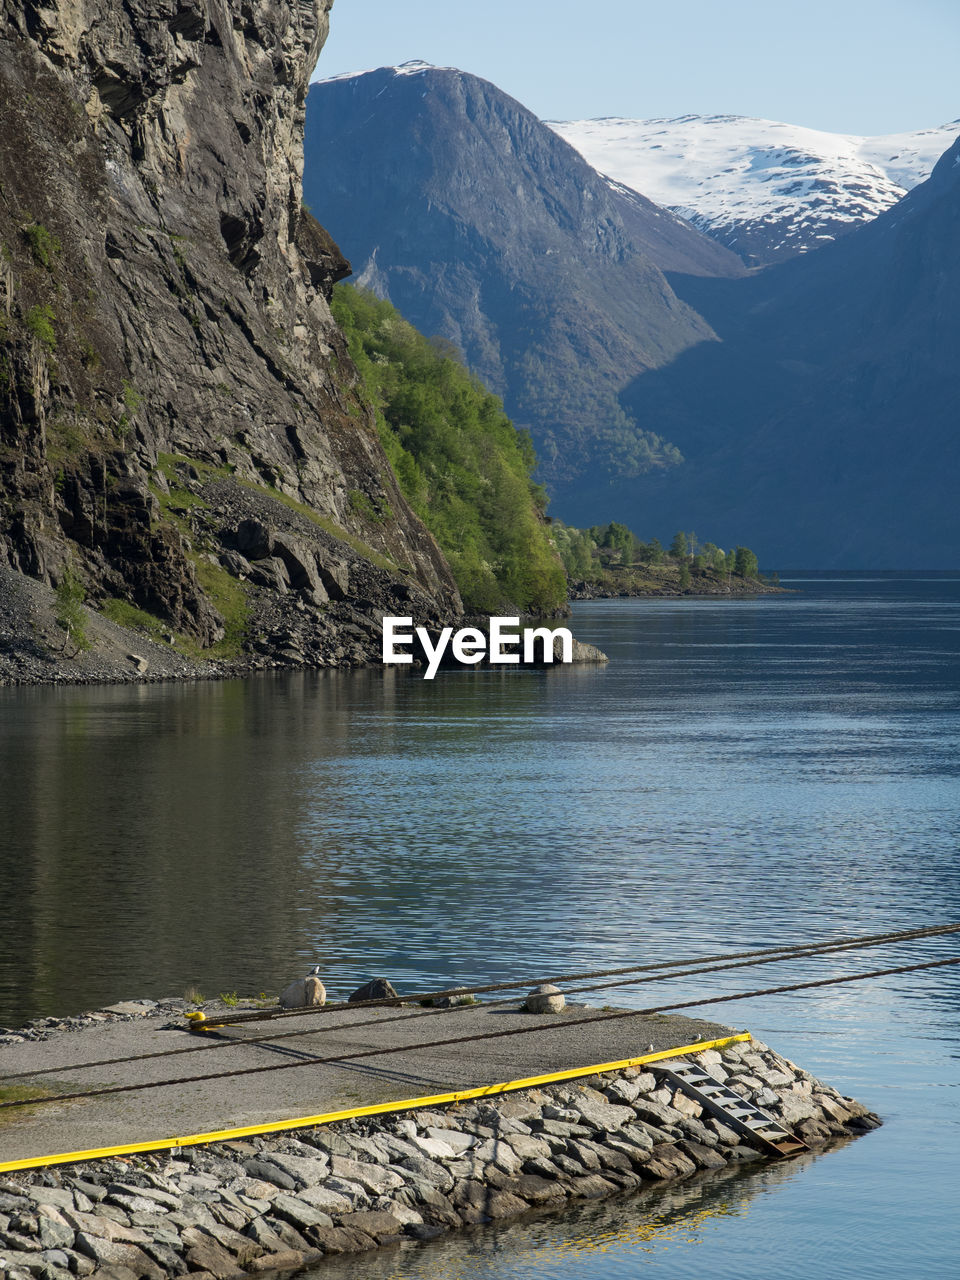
{"type": "Point", "coordinates": [744, 773]}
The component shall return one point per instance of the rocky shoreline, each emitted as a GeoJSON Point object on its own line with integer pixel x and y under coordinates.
{"type": "Point", "coordinates": [32, 648]}
{"type": "Point", "coordinates": [285, 1201]}
{"type": "Point", "coordinates": [658, 582]}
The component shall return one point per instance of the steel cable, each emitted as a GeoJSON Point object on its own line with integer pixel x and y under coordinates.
{"type": "Point", "coordinates": [798, 952]}
{"type": "Point", "coordinates": [362, 1054]}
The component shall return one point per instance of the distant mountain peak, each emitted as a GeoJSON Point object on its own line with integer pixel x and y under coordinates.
{"type": "Point", "coordinates": [766, 189]}
{"type": "Point", "coordinates": [415, 67]}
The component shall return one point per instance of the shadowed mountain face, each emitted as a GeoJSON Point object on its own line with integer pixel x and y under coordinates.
{"type": "Point", "coordinates": [822, 428]}
{"type": "Point", "coordinates": [482, 226]}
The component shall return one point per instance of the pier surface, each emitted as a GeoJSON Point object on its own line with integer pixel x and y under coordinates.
{"type": "Point", "coordinates": [305, 1089]}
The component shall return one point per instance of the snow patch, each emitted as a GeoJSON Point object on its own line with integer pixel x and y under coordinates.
{"type": "Point", "coordinates": [724, 171]}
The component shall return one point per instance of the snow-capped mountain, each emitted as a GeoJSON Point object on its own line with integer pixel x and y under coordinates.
{"type": "Point", "coordinates": [767, 190]}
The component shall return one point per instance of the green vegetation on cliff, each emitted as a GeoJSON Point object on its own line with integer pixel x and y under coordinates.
{"type": "Point", "coordinates": [460, 462]}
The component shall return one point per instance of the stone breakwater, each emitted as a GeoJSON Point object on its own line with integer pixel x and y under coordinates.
{"type": "Point", "coordinates": [285, 1201]}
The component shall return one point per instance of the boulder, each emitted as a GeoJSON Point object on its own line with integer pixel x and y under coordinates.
{"type": "Point", "coordinates": [375, 989]}
{"type": "Point", "coordinates": [254, 539]}
{"type": "Point", "coordinates": [301, 564]}
{"type": "Point", "coordinates": [545, 999]}
{"type": "Point", "coordinates": [304, 993]}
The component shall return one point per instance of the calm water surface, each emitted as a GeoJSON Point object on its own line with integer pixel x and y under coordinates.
{"type": "Point", "coordinates": [743, 773]}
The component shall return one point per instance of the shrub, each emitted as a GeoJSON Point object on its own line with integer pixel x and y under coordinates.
{"type": "Point", "coordinates": [40, 323]}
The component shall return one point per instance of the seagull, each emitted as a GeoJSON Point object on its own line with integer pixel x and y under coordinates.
{"type": "Point", "coordinates": [649, 1048]}
{"type": "Point", "coordinates": [697, 1037]}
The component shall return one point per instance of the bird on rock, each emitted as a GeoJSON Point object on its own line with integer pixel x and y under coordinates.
{"type": "Point", "coordinates": [308, 992]}
{"type": "Point", "coordinates": [315, 993]}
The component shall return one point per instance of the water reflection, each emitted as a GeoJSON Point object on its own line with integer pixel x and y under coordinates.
{"type": "Point", "coordinates": [742, 774]}
{"type": "Point", "coordinates": [608, 1237]}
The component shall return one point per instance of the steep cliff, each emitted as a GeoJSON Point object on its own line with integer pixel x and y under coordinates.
{"type": "Point", "coordinates": [179, 419]}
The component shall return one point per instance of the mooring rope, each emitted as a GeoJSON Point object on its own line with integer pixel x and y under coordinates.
{"type": "Point", "coordinates": [796, 952]}
{"type": "Point", "coordinates": [358, 1055]}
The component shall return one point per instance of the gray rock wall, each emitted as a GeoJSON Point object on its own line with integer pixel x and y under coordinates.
{"type": "Point", "coordinates": [164, 294]}
{"type": "Point", "coordinates": [245, 1207]}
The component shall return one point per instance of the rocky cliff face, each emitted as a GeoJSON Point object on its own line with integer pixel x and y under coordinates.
{"type": "Point", "coordinates": [179, 418]}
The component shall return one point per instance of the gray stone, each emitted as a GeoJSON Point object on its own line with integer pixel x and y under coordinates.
{"type": "Point", "coordinates": [342, 1239]}
{"type": "Point", "coordinates": [300, 1213]}
{"type": "Point", "coordinates": [270, 572]}
{"type": "Point", "coordinates": [284, 1260]}
{"type": "Point", "coordinates": [133, 1204]}
{"type": "Point", "coordinates": [254, 539]}
{"type": "Point", "coordinates": [234, 1242]}
{"type": "Point", "coordinates": [486, 1201]}
{"type": "Point", "coordinates": [591, 1187]}
{"type": "Point", "coordinates": [704, 1157]}
{"type": "Point", "coordinates": [622, 1090]}
{"type": "Point", "coordinates": [163, 1198]}
{"type": "Point", "coordinates": [794, 1107]}
{"type": "Point", "coordinates": [495, 1151]}
{"type": "Point", "coordinates": [372, 1177]}
{"type": "Point", "coordinates": [353, 1191]}
{"type": "Point", "coordinates": [665, 1161]}
{"type": "Point", "coordinates": [699, 1132]}
{"type": "Point", "coordinates": [80, 1264]}
{"type": "Point", "coordinates": [60, 1197]}
{"type": "Point", "coordinates": [584, 1152]}
{"type": "Point", "coordinates": [335, 1144]}
{"type": "Point", "coordinates": [545, 999]}
{"type": "Point", "coordinates": [529, 1147]}
{"type": "Point", "coordinates": [382, 1226]}
{"type": "Point", "coordinates": [288, 1233]}
{"type": "Point", "coordinates": [235, 564]}
{"type": "Point", "coordinates": [605, 1116]}
{"type": "Point", "coordinates": [258, 1231]}
{"type": "Point", "coordinates": [656, 1113]}
{"type": "Point", "coordinates": [166, 1257]}
{"type": "Point", "coordinates": [428, 1170]}
{"type": "Point", "coordinates": [457, 1141]}
{"type": "Point", "coordinates": [435, 1148]}
{"type": "Point", "coordinates": [307, 1171]}
{"type": "Point", "coordinates": [269, 1172]}
{"type": "Point", "coordinates": [542, 1167]}
{"type": "Point", "coordinates": [324, 1198]}
{"type": "Point", "coordinates": [114, 1253]}
{"type": "Point", "coordinates": [569, 1165]}
{"type": "Point", "coordinates": [55, 1235]}
{"type": "Point", "coordinates": [403, 1213]}
{"type": "Point", "coordinates": [562, 1129]}
{"type": "Point", "coordinates": [375, 989]}
{"type": "Point", "coordinates": [301, 564]}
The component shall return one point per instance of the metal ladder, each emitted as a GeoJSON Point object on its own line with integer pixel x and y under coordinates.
{"type": "Point", "coordinates": [758, 1126]}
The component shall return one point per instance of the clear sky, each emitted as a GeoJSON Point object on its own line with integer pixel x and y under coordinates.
{"type": "Point", "coordinates": [849, 66]}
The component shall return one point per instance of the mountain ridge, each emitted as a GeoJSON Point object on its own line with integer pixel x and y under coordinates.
{"type": "Point", "coordinates": [460, 207]}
